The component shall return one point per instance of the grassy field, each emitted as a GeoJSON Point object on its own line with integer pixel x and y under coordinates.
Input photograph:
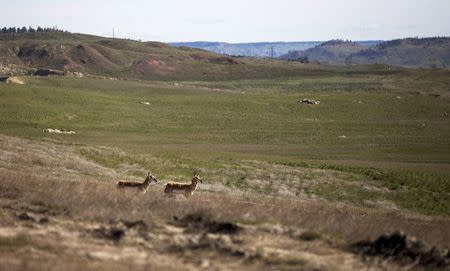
{"type": "Point", "coordinates": [288, 186]}
{"type": "Point", "coordinates": [388, 131]}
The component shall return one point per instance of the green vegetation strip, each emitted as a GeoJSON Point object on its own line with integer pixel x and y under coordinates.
{"type": "Point", "coordinates": [423, 192]}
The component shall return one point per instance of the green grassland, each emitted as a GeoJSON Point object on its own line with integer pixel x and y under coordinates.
{"type": "Point", "coordinates": [375, 126]}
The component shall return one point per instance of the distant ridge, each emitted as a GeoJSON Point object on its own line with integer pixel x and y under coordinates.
{"type": "Point", "coordinates": [257, 49]}
{"type": "Point", "coordinates": [332, 51]}
{"type": "Point", "coordinates": [409, 52]}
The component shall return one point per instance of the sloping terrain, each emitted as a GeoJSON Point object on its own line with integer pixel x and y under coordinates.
{"type": "Point", "coordinates": [334, 51]}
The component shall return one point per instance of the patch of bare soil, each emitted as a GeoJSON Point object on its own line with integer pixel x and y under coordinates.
{"type": "Point", "coordinates": [223, 60]}
{"type": "Point", "coordinates": [152, 66]}
{"type": "Point", "coordinates": [36, 235]}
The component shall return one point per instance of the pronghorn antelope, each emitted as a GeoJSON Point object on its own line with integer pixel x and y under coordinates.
{"type": "Point", "coordinates": [182, 188]}
{"type": "Point", "coordinates": [140, 186]}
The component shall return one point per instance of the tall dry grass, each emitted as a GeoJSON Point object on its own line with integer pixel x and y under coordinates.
{"type": "Point", "coordinates": [56, 177]}
{"type": "Point", "coordinates": [101, 201]}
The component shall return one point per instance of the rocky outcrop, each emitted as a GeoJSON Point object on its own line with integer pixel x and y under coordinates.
{"type": "Point", "coordinates": [11, 79]}
{"type": "Point", "coordinates": [47, 72]}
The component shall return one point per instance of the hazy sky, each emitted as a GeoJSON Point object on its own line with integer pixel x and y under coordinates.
{"type": "Point", "coordinates": [236, 20]}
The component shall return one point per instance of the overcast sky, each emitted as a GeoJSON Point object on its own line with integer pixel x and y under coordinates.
{"type": "Point", "coordinates": [236, 20]}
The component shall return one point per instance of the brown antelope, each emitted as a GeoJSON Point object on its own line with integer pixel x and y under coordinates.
{"type": "Point", "coordinates": [185, 189]}
{"type": "Point", "coordinates": [140, 186]}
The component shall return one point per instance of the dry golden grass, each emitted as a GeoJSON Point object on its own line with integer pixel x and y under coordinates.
{"type": "Point", "coordinates": [102, 201]}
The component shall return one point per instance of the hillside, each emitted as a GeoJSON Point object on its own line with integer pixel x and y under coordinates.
{"type": "Point", "coordinates": [20, 52]}
{"type": "Point", "coordinates": [258, 49]}
{"type": "Point", "coordinates": [333, 51]}
{"type": "Point", "coordinates": [98, 55]}
{"type": "Point", "coordinates": [411, 52]}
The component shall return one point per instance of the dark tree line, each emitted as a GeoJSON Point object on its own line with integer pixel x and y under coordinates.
{"type": "Point", "coordinates": [30, 29]}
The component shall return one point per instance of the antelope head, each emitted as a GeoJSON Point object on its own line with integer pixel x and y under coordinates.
{"type": "Point", "coordinates": [150, 178]}
{"type": "Point", "coordinates": [197, 179]}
